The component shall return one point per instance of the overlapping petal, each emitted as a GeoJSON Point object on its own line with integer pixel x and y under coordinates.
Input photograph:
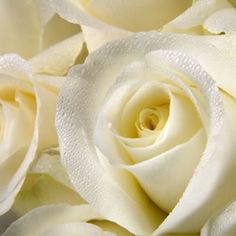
{"type": "Point", "coordinates": [64, 220]}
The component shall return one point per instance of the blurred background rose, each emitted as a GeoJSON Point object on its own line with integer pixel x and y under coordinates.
{"type": "Point", "coordinates": [30, 83]}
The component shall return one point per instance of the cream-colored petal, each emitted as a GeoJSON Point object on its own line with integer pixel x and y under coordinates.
{"type": "Point", "coordinates": [225, 43]}
{"type": "Point", "coordinates": [224, 223]}
{"type": "Point", "coordinates": [73, 11]}
{"type": "Point", "coordinates": [170, 172]}
{"type": "Point", "coordinates": [77, 229]}
{"type": "Point", "coordinates": [95, 38]}
{"type": "Point", "coordinates": [136, 15]}
{"type": "Point", "coordinates": [52, 83]}
{"type": "Point", "coordinates": [45, 13]}
{"type": "Point", "coordinates": [132, 15]}
{"type": "Point", "coordinates": [41, 189]}
{"type": "Point", "coordinates": [195, 15]}
{"type": "Point", "coordinates": [48, 162]}
{"type": "Point", "coordinates": [221, 21]}
{"type": "Point", "coordinates": [20, 27]}
{"type": "Point", "coordinates": [56, 30]}
{"type": "Point", "coordinates": [46, 111]}
{"type": "Point", "coordinates": [16, 112]}
{"type": "Point", "coordinates": [40, 220]}
{"type": "Point", "coordinates": [57, 59]}
{"type": "Point", "coordinates": [111, 227]}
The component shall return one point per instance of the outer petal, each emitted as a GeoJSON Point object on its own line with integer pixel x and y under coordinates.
{"type": "Point", "coordinates": [64, 220]}
{"type": "Point", "coordinates": [50, 216]}
{"type": "Point", "coordinates": [222, 224]}
{"type": "Point", "coordinates": [196, 15]}
{"type": "Point", "coordinates": [95, 38]}
{"type": "Point", "coordinates": [222, 21]}
{"type": "Point", "coordinates": [19, 27]}
{"type": "Point", "coordinates": [41, 189]}
{"type": "Point", "coordinates": [46, 183]}
{"type": "Point", "coordinates": [57, 59]}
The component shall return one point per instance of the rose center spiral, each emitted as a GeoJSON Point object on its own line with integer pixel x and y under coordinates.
{"type": "Point", "coordinates": [148, 119]}
{"type": "Point", "coordinates": [151, 120]}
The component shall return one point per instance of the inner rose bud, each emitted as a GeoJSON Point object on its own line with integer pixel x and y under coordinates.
{"type": "Point", "coordinates": [151, 120]}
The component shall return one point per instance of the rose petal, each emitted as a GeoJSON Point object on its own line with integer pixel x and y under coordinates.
{"type": "Point", "coordinates": [19, 23]}
{"type": "Point", "coordinates": [51, 33]}
{"type": "Point", "coordinates": [136, 15]}
{"type": "Point", "coordinates": [49, 163]}
{"type": "Point", "coordinates": [222, 224]}
{"type": "Point", "coordinates": [41, 189]}
{"type": "Point", "coordinates": [57, 59]}
{"type": "Point", "coordinates": [95, 38]}
{"type": "Point", "coordinates": [75, 229]}
{"type": "Point", "coordinates": [49, 217]}
{"type": "Point", "coordinates": [170, 172]}
{"type": "Point", "coordinates": [221, 21]}
{"type": "Point", "coordinates": [196, 15]}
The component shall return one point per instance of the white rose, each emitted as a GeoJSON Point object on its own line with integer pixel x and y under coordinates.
{"type": "Point", "coordinates": [106, 20]}
{"type": "Point", "coordinates": [64, 220]}
{"type": "Point", "coordinates": [28, 92]}
{"type": "Point", "coordinates": [27, 121]}
{"type": "Point", "coordinates": [147, 131]}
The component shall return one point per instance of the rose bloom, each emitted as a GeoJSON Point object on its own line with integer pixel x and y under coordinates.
{"type": "Point", "coordinates": [147, 130]}
{"type": "Point", "coordinates": [106, 20]}
{"type": "Point", "coordinates": [27, 121]}
{"type": "Point", "coordinates": [64, 220]}
{"type": "Point", "coordinates": [29, 89]}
